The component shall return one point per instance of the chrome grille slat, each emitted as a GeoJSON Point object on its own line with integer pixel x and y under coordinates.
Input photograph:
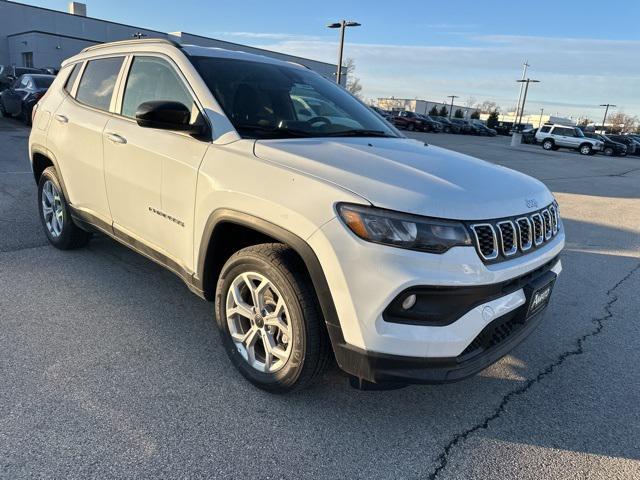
{"type": "Point", "coordinates": [486, 240]}
{"type": "Point", "coordinates": [504, 238]}
{"type": "Point", "coordinates": [547, 227]}
{"type": "Point", "coordinates": [508, 240]}
{"type": "Point", "coordinates": [524, 233]}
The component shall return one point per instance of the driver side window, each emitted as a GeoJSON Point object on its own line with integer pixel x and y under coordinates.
{"type": "Point", "coordinates": [152, 78]}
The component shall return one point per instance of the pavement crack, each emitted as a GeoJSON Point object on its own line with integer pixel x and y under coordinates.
{"type": "Point", "coordinates": [578, 349]}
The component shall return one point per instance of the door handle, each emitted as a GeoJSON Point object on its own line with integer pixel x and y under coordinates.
{"type": "Point", "coordinates": [62, 118]}
{"type": "Point", "coordinates": [115, 138]}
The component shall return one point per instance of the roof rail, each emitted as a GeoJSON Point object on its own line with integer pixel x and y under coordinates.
{"type": "Point", "coordinates": [133, 41]}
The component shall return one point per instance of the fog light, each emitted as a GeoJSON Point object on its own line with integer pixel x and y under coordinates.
{"type": "Point", "coordinates": [409, 302]}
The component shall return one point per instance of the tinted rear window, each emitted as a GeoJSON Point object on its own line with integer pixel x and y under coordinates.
{"type": "Point", "coordinates": [97, 82]}
{"type": "Point", "coordinates": [43, 82]}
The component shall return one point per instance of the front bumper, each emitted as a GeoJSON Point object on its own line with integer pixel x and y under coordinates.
{"type": "Point", "coordinates": [496, 340]}
{"type": "Point", "coordinates": [364, 279]}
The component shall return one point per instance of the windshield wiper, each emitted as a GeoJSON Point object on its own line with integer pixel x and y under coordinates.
{"type": "Point", "coordinates": [275, 131]}
{"type": "Point", "coordinates": [358, 133]}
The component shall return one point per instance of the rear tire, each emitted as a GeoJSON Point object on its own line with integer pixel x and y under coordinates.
{"type": "Point", "coordinates": [410, 127]}
{"type": "Point", "coordinates": [3, 112]}
{"type": "Point", "coordinates": [287, 318]}
{"type": "Point", "coordinates": [608, 151]}
{"type": "Point", "coordinates": [55, 215]}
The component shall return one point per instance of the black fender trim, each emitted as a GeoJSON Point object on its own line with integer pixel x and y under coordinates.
{"type": "Point", "coordinates": [310, 260]}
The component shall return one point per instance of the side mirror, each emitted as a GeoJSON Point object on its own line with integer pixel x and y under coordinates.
{"type": "Point", "coordinates": [167, 115]}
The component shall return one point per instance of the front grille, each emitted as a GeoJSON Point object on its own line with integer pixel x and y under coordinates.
{"type": "Point", "coordinates": [497, 240]}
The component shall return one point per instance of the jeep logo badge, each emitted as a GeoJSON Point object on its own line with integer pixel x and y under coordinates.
{"type": "Point", "coordinates": [531, 203]}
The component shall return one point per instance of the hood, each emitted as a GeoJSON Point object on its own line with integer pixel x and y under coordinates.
{"type": "Point", "coordinates": [408, 176]}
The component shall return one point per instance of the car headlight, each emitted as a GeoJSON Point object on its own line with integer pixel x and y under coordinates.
{"type": "Point", "coordinates": [403, 230]}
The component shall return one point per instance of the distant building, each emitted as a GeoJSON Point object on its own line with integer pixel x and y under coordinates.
{"type": "Point", "coordinates": [40, 37]}
{"type": "Point", "coordinates": [534, 119]}
{"type": "Point", "coordinates": [420, 106]}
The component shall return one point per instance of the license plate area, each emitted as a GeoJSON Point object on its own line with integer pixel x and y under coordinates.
{"type": "Point", "coordinates": [538, 293]}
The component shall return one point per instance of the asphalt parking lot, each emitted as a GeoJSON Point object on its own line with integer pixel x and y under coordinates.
{"type": "Point", "coordinates": [110, 367]}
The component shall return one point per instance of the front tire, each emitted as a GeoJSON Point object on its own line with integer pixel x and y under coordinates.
{"type": "Point", "coordinates": [269, 318]}
{"type": "Point", "coordinates": [586, 149]}
{"type": "Point", "coordinates": [411, 127]}
{"type": "Point", "coordinates": [55, 215]}
{"type": "Point", "coordinates": [608, 151]}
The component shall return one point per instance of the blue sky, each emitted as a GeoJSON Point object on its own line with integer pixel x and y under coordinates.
{"type": "Point", "coordinates": [584, 52]}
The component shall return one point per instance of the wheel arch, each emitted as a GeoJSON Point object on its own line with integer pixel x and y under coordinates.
{"type": "Point", "coordinates": [41, 159]}
{"type": "Point", "coordinates": [215, 249]}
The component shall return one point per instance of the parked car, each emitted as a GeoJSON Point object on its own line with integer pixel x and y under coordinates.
{"type": "Point", "coordinates": [483, 129]}
{"type": "Point", "coordinates": [9, 73]}
{"type": "Point", "coordinates": [610, 146]}
{"type": "Point", "coordinates": [553, 137]}
{"type": "Point", "coordinates": [466, 126]}
{"type": "Point", "coordinates": [410, 121]}
{"type": "Point", "coordinates": [447, 125]}
{"type": "Point", "coordinates": [383, 113]}
{"type": "Point", "coordinates": [633, 145]}
{"type": "Point", "coordinates": [529, 136]}
{"type": "Point", "coordinates": [504, 128]}
{"type": "Point", "coordinates": [407, 262]}
{"type": "Point", "coordinates": [432, 125]}
{"type": "Point", "coordinates": [18, 100]}
{"type": "Point", "coordinates": [520, 127]}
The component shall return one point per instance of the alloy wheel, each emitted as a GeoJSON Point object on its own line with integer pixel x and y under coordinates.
{"type": "Point", "coordinates": [52, 209]}
{"type": "Point", "coordinates": [258, 322]}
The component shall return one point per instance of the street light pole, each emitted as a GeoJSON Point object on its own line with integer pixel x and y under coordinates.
{"type": "Point", "coordinates": [606, 110]}
{"type": "Point", "coordinates": [524, 98]}
{"type": "Point", "coordinates": [540, 121]}
{"type": "Point", "coordinates": [525, 65]}
{"type": "Point", "coordinates": [451, 97]}
{"type": "Point", "coordinates": [342, 25]}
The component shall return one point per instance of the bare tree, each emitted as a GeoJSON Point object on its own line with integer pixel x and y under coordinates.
{"type": "Point", "coordinates": [621, 122]}
{"type": "Point", "coordinates": [487, 106]}
{"type": "Point", "coordinates": [353, 82]}
{"type": "Point", "coordinates": [471, 101]}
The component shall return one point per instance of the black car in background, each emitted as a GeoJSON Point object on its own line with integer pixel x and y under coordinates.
{"type": "Point", "coordinates": [383, 113]}
{"type": "Point", "coordinates": [610, 147]}
{"type": "Point", "coordinates": [9, 73]}
{"type": "Point", "coordinates": [483, 129]}
{"type": "Point", "coordinates": [633, 145]}
{"type": "Point", "coordinates": [431, 124]}
{"type": "Point", "coordinates": [19, 99]}
{"type": "Point", "coordinates": [468, 127]}
{"type": "Point", "coordinates": [529, 136]}
{"type": "Point", "coordinates": [447, 125]}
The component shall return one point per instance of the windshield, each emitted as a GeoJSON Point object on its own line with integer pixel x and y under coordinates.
{"type": "Point", "coordinates": [264, 100]}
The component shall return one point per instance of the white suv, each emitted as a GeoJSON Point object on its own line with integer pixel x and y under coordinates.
{"type": "Point", "coordinates": [553, 137]}
{"type": "Point", "coordinates": [314, 236]}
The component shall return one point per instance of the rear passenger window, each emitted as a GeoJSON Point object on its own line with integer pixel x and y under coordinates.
{"type": "Point", "coordinates": [72, 78]}
{"type": "Point", "coordinates": [97, 82]}
{"type": "Point", "coordinates": [545, 129]}
{"type": "Point", "coordinates": [152, 78]}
